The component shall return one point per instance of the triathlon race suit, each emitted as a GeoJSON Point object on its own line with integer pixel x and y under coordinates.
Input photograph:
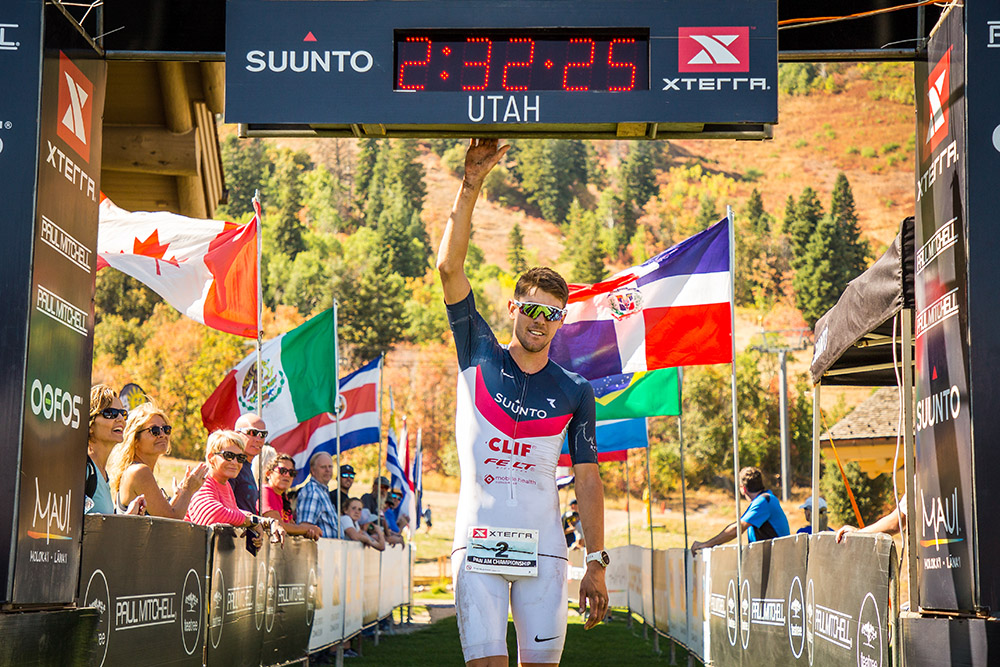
{"type": "Point", "coordinates": [510, 427]}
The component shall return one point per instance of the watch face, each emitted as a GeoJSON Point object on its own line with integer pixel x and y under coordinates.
{"type": "Point", "coordinates": [605, 558]}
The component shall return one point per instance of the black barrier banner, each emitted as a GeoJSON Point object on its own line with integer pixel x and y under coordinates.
{"type": "Point", "coordinates": [932, 642]}
{"type": "Point", "coordinates": [983, 144]}
{"type": "Point", "coordinates": [237, 603]}
{"type": "Point", "coordinates": [772, 601]}
{"type": "Point", "coordinates": [63, 637]}
{"type": "Point", "coordinates": [290, 606]}
{"type": "Point", "coordinates": [723, 608]}
{"type": "Point", "coordinates": [146, 579]}
{"type": "Point", "coordinates": [20, 81]}
{"type": "Point", "coordinates": [847, 600]}
{"type": "Point", "coordinates": [60, 319]}
{"type": "Point", "coordinates": [942, 418]}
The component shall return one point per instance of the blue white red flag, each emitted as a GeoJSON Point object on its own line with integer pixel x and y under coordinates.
{"type": "Point", "coordinates": [394, 466]}
{"type": "Point", "coordinates": [671, 310]}
{"type": "Point", "coordinates": [417, 477]}
{"type": "Point", "coordinates": [359, 421]}
{"type": "Point", "coordinates": [614, 438]}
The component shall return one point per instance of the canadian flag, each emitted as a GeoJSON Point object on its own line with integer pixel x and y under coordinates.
{"type": "Point", "coordinates": [207, 269]}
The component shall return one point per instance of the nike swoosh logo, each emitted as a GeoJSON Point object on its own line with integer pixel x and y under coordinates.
{"type": "Point", "coordinates": [546, 639]}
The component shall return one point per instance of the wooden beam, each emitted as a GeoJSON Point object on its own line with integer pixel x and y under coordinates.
{"type": "Point", "coordinates": [149, 149]}
{"type": "Point", "coordinates": [213, 84]}
{"type": "Point", "coordinates": [176, 101]}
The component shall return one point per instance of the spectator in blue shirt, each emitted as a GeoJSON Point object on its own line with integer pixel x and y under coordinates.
{"type": "Point", "coordinates": [821, 519]}
{"type": "Point", "coordinates": [763, 519]}
{"type": "Point", "coordinates": [254, 432]}
{"type": "Point", "coordinates": [314, 506]}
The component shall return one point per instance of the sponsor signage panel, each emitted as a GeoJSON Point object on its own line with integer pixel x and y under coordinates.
{"type": "Point", "coordinates": [983, 165]}
{"type": "Point", "coordinates": [370, 588]}
{"type": "Point", "coordinates": [328, 624]}
{"type": "Point", "coordinates": [238, 600]}
{"type": "Point", "coordinates": [20, 81]}
{"type": "Point", "coordinates": [847, 617]}
{"type": "Point", "coordinates": [62, 637]}
{"type": "Point", "coordinates": [290, 600]}
{"type": "Point", "coordinates": [943, 418]}
{"type": "Point", "coordinates": [144, 611]}
{"type": "Point", "coordinates": [772, 607]}
{"type": "Point", "coordinates": [724, 608]}
{"type": "Point", "coordinates": [354, 579]}
{"type": "Point", "coordinates": [60, 315]}
{"type": "Point", "coordinates": [437, 63]}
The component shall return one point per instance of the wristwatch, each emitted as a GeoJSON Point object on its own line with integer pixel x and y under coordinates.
{"type": "Point", "coordinates": [600, 557]}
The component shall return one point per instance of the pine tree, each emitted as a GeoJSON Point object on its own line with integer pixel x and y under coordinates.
{"type": "Point", "coordinates": [707, 214]}
{"type": "Point", "coordinates": [364, 166]}
{"type": "Point", "coordinates": [371, 304]}
{"type": "Point", "coordinates": [515, 250]}
{"type": "Point", "coordinates": [638, 172]}
{"type": "Point", "coordinates": [585, 247]}
{"type": "Point", "coordinates": [752, 243]}
{"type": "Point", "coordinates": [401, 231]}
{"type": "Point", "coordinates": [757, 218]}
{"type": "Point", "coordinates": [287, 197]}
{"type": "Point", "coordinates": [247, 167]}
{"type": "Point", "coordinates": [404, 176]}
{"type": "Point", "coordinates": [854, 252]}
{"type": "Point", "coordinates": [808, 213]}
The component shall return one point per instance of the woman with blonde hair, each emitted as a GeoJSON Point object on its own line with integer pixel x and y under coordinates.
{"type": "Point", "coordinates": [130, 467]}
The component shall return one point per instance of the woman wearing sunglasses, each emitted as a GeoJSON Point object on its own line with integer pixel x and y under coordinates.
{"type": "Point", "coordinates": [107, 422]}
{"type": "Point", "coordinates": [146, 438]}
{"type": "Point", "coordinates": [279, 473]}
{"type": "Point", "coordinates": [215, 502]}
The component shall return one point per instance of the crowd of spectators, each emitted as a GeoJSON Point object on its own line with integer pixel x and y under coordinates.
{"type": "Point", "coordinates": [124, 447]}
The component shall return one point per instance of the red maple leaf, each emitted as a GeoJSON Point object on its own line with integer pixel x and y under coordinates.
{"type": "Point", "coordinates": [151, 248]}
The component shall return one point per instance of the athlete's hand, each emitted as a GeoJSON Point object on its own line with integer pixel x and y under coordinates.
{"type": "Point", "coordinates": [593, 595]}
{"type": "Point", "coordinates": [482, 156]}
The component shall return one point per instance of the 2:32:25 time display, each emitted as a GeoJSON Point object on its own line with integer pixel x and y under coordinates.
{"type": "Point", "coordinates": [567, 59]}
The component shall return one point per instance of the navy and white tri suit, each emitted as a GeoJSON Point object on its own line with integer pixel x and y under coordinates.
{"type": "Point", "coordinates": [509, 429]}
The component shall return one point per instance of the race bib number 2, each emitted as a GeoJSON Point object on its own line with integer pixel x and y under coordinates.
{"type": "Point", "coordinates": [508, 551]}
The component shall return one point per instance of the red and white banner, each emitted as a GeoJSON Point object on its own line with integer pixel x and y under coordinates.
{"type": "Point", "coordinates": [207, 269]}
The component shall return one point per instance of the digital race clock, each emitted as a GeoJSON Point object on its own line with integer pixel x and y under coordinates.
{"type": "Point", "coordinates": [586, 68]}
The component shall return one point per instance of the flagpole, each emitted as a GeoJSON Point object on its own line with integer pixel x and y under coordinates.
{"type": "Point", "coordinates": [336, 411]}
{"type": "Point", "coordinates": [260, 328]}
{"type": "Point", "coordinates": [652, 548]}
{"type": "Point", "coordinates": [736, 441]}
{"type": "Point", "coordinates": [688, 593]}
{"type": "Point", "coordinates": [628, 523]}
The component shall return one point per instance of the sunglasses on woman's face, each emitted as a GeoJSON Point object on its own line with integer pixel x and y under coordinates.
{"type": "Point", "coordinates": [533, 310]}
{"type": "Point", "coordinates": [114, 413]}
{"type": "Point", "coordinates": [156, 430]}
{"type": "Point", "coordinates": [233, 456]}
{"type": "Point", "coordinates": [287, 472]}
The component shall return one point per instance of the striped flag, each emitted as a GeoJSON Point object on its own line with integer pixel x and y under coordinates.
{"type": "Point", "coordinates": [359, 421]}
{"type": "Point", "coordinates": [417, 477]}
{"type": "Point", "coordinates": [672, 310]}
{"type": "Point", "coordinates": [394, 466]}
{"type": "Point", "coordinates": [614, 438]}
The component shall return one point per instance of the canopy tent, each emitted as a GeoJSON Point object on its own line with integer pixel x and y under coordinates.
{"type": "Point", "coordinates": [854, 346]}
{"type": "Point", "coordinates": [853, 340]}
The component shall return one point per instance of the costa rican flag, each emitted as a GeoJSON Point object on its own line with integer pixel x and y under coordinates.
{"type": "Point", "coordinates": [672, 310]}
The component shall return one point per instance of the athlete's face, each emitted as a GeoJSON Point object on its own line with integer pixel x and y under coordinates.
{"type": "Point", "coordinates": [534, 335]}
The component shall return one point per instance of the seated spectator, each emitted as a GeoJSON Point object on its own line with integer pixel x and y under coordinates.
{"type": "Point", "coordinates": [131, 464]}
{"type": "Point", "coordinates": [372, 537]}
{"type": "Point", "coordinates": [346, 482]}
{"type": "Point", "coordinates": [215, 502]}
{"type": "Point", "coordinates": [314, 506]}
{"type": "Point", "coordinates": [279, 473]}
{"type": "Point", "coordinates": [821, 520]}
{"type": "Point", "coordinates": [107, 423]}
{"type": "Point", "coordinates": [390, 511]}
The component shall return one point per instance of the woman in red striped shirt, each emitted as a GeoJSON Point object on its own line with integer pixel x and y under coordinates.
{"type": "Point", "coordinates": [214, 502]}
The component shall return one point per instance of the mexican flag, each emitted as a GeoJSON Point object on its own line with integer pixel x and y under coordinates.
{"type": "Point", "coordinates": [298, 380]}
{"type": "Point", "coordinates": [639, 394]}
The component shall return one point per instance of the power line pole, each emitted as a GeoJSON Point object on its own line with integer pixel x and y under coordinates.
{"type": "Point", "coordinates": [772, 345]}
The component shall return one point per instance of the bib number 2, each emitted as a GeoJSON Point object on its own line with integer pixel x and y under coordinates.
{"type": "Point", "coordinates": [507, 551]}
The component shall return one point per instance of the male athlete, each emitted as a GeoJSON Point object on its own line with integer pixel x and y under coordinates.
{"type": "Point", "coordinates": [514, 409]}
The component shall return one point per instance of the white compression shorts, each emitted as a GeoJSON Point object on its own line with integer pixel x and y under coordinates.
{"type": "Point", "coordinates": [539, 606]}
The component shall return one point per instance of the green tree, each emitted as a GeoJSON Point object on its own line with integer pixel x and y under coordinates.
{"type": "Point", "coordinates": [551, 172]}
{"type": "Point", "coordinates": [584, 246]}
{"type": "Point", "coordinates": [364, 167]}
{"type": "Point", "coordinates": [855, 252]}
{"type": "Point", "coordinates": [404, 176]}
{"type": "Point", "coordinates": [247, 167]}
{"type": "Point", "coordinates": [403, 238]}
{"type": "Point", "coordinates": [708, 214]}
{"type": "Point", "coordinates": [287, 196]}
{"type": "Point", "coordinates": [324, 194]}
{"type": "Point", "coordinates": [638, 172]}
{"type": "Point", "coordinates": [515, 250]}
{"type": "Point", "coordinates": [800, 229]}
{"type": "Point", "coordinates": [873, 494]}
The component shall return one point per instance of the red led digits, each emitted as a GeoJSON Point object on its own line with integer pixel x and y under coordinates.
{"type": "Point", "coordinates": [485, 64]}
{"type": "Point", "coordinates": [414, 63]}
{"type": "Point", "coordinates": [526, 64]}
{"type": "Point", "coordinates": [581, 64]}
{"type": "Point", "coordinates": [629, 65]}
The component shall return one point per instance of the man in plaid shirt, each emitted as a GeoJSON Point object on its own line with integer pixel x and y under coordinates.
{"type": "Point", "coordinates": [314, 504]}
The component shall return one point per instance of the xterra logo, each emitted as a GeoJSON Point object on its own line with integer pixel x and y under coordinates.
{"type": "Point", "coordinates": [938, 91]}
{"type": "Point", "coordinates": [75, 107]}
{"type": "Point", "coordinates": [713, 49]}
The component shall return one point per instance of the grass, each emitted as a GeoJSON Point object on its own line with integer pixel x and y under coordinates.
{"type": "Point", "coordinates": [609, 643]}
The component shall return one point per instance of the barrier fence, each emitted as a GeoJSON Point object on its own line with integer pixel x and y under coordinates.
{"type": "Point", "coordinates": [801, 600]}
{"type": "Point", "coordinates": [172, 593]}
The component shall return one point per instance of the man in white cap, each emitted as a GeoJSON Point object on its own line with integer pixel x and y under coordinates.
{"type": "Point", "coordinates": [821, 519]}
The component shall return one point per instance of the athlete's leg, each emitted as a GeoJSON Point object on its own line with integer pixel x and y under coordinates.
{"type": "Point", "coordinates": [481, 604]}
{"type": "Point", "coordinates": [539, 605]}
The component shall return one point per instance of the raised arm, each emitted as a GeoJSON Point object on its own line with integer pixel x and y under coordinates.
{"type": "Point", "coordinates": [482, 156]}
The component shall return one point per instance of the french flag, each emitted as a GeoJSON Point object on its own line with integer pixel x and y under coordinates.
{"type": "Point", "coordinates": [360, 421]}
{"type": "Point", "coordinates": [672, 310]}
